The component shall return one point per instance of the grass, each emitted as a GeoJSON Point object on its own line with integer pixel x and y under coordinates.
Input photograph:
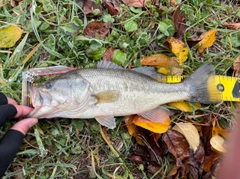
{"type": "Point", "coordinates": [65, 148]}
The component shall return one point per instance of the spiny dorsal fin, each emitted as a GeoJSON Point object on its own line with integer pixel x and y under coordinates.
{"type": "Point", "coordinates": [149, 71]}
{"type": "Point", "coordinates": [108, 64]}
{"type": "Point", "coordinates": [108, 96]}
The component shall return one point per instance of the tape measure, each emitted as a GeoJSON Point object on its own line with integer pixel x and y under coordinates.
{"type": "Point", "coordinates": [227, 85]}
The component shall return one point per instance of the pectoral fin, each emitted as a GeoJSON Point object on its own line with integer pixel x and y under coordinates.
{"type": "Point", "coordinates": [159, 114]}
{"type": "Point", "coordinates": [108, 96]}
{"type": "Point", "coordinates": [107, 121]}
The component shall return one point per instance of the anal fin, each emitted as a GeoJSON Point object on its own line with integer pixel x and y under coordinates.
{"type": "Point", "coordinates": [157, 115]}
{"type": "Point", "coordinates": [107, 121]}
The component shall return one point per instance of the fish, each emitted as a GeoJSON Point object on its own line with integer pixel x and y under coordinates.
{"type": "Point", "coordinates": [109, 91]}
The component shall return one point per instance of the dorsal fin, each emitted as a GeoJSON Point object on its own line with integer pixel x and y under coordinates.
{"type": "Point", "coordinates": [149, 71]}
{"type": "Point", "coordinates": [107, 64]}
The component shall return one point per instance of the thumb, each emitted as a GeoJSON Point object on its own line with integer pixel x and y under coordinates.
{"type": "Point", "coordinates": [24, 125]}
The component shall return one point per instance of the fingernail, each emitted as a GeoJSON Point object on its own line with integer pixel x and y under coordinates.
{"type": "Point", "coordinates": [33, 122]}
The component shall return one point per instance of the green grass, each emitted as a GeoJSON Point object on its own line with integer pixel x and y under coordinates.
{"type": "Point", "coordinates": [65, 148]}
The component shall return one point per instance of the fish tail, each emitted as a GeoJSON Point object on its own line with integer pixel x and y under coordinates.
{"type": "Point", "coordinates": [202, 85]}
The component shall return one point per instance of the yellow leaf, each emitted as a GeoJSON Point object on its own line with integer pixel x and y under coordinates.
{"type": "Point", "coordinates": [179, 48]}
{"type": "Point", "coordinates": [217, 143]}
{"type": "Point", "coordinates": [132, 129]}
{"type": "Point", "coordinates": [9, 36]}
{"type": "Point", "coordinates": [185, 106]}
{"type": "Point", "coordinates": [190, 133]}
{"type": "Point", "coordinates": [156, 127]}
{"type": "Point", "coordinates": [171, 70]}
{"type": "Point", "coordinates": [208, 39]}
{"type": "Point", "coordinates": [159, 60]}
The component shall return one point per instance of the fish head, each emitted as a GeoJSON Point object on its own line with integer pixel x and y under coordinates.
{"type": "Point", "coordinates": [53, 97]}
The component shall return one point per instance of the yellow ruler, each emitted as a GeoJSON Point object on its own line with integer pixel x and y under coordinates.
{"type": "Point", "coordinates": [227, 85]}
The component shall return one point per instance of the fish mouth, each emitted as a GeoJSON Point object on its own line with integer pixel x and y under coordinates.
{"type": "Point", "coordinates": [38, 98]}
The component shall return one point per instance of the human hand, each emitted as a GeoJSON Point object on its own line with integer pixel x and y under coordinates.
{"type": "Point", "coordinates": [11, 141]}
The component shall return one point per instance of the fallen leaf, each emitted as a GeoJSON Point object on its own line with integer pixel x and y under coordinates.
{"type": "Point", "coordinates": [217, 143]}
{"type": "Point", "coordinates": [234, 26]}
{"type": "Point", "coordinates": [154, 169]}
{"type": "Point", "coordinates": [177, 145]}
{"type": "Point", "coordinates": [112, 7]}
{"type": "Point", "coordinates": [179, 48]}
{"type": "Point", "coordinates": [173, 2]}
{"type": "Point", "coordinates": [196, 162]}
{"type": "Point", "coordinates": [209, 161]}
{"type": "Point", "coordinates": [159, 60]}
{"type": "Point", "coordinates": [190, 133]}
{"type": "Point", "coordinates": [172, 71]}
{"type": "Point", "coordinates": [108, 55]}
{"type": "Point", "coordinates": [179, 23]}
{"type": "Point", "coordinates": [135, 3]}
{"type": "Point", "coordinates": [155, 152]}
{"type": "Point", "coordinates": [185, 106]}
{"type": "Point", "coordinates": [217, 129]}
{"type": "Point", "coordinates": [206, 135]}
{"type": "Point", "coordinates": [9, 36]}
{"type": "Point", "coordinates": [135, 158]}
{"type": "Point", "coordinates": [236, 67]}
{"type": "Point", "coordinates": [90, 6]}
{"type": "Point", "coordinates": [155, 127]}
{"type": "Point", "coordinates": [97, 29]}
{"type": "Point", "coordinates": [132, 129]}
{"type": "Point", "coordinates": [207, 40]}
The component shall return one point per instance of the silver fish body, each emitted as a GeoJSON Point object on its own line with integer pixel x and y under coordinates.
{"type": "Point", "coordinates": [103, 93]}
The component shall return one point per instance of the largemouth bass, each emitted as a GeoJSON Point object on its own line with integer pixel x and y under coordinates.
{"type": "Point", "coordinates": [109, 90]}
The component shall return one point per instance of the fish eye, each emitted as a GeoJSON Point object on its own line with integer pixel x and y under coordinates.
{"type": "Point", "coordinates": [48, 85]}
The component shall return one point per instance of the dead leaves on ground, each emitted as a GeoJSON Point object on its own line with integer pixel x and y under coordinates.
{"type": "Point", "coordinates": [187, 145]}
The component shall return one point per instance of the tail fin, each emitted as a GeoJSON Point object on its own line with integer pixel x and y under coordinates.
{"type": "Point", "coordinates": [203, 87]}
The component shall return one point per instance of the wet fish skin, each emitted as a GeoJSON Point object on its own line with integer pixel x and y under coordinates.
{"type": "Point", "coordinates": [109, 91]}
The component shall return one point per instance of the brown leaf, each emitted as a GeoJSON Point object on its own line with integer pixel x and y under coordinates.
{"type": "Point", "coordinates": [155, 169]}
{"type": "Point", "coordinates": [209, 161]}
{"type": "Point", "coordinates": [89, 6]}
{"type": "Point", "coordinates": [108, 54]}
{"type": "Point", "coordinates": [206, 136]}
{"type": "Point", "coordinates": [159, 60]}
{"type": "Point", "coordinates": [173, 2]}
{"type": "Point", "coordinates": [177, 145]}
{"type": "Point", "coordinates": [154, 151]}
{"type": "Point", "coordinates": [234, 26]}
{"type": "Point", "coordinates": [135, 3]}
{"type": "Point", "coordinates": [135, 158]}
{"type": "Point", "coordinates": [236, 67]}
{"type": "Point", "coordinates": [196, 162]}
{"type": "Point", "coordinates": [112, 7]}
{"type": "Point", "coordinates": [97, 29]}
{"type": "Point", "coordinates": [179, 23]}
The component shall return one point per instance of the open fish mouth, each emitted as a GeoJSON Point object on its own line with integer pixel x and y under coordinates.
{"type": "Point", "coordinates": [39, 98]}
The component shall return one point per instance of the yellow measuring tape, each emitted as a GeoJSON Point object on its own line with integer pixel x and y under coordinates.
{"type": "Point", "coordinates": [228, 86]}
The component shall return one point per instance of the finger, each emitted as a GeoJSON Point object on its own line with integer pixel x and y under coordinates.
{"type": "Point", "coordinates": [22, 110]}
{"type": "Point", "coordinates": [24, 125]}
{"type": "Point", "coordinates": [3, 99]}
{"type": "Point", "coordinates": [9, 146]}
{"type": "Point", "coordinates": [7, 112]}
{"type": "Point", "coordinates": [11, 101]}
